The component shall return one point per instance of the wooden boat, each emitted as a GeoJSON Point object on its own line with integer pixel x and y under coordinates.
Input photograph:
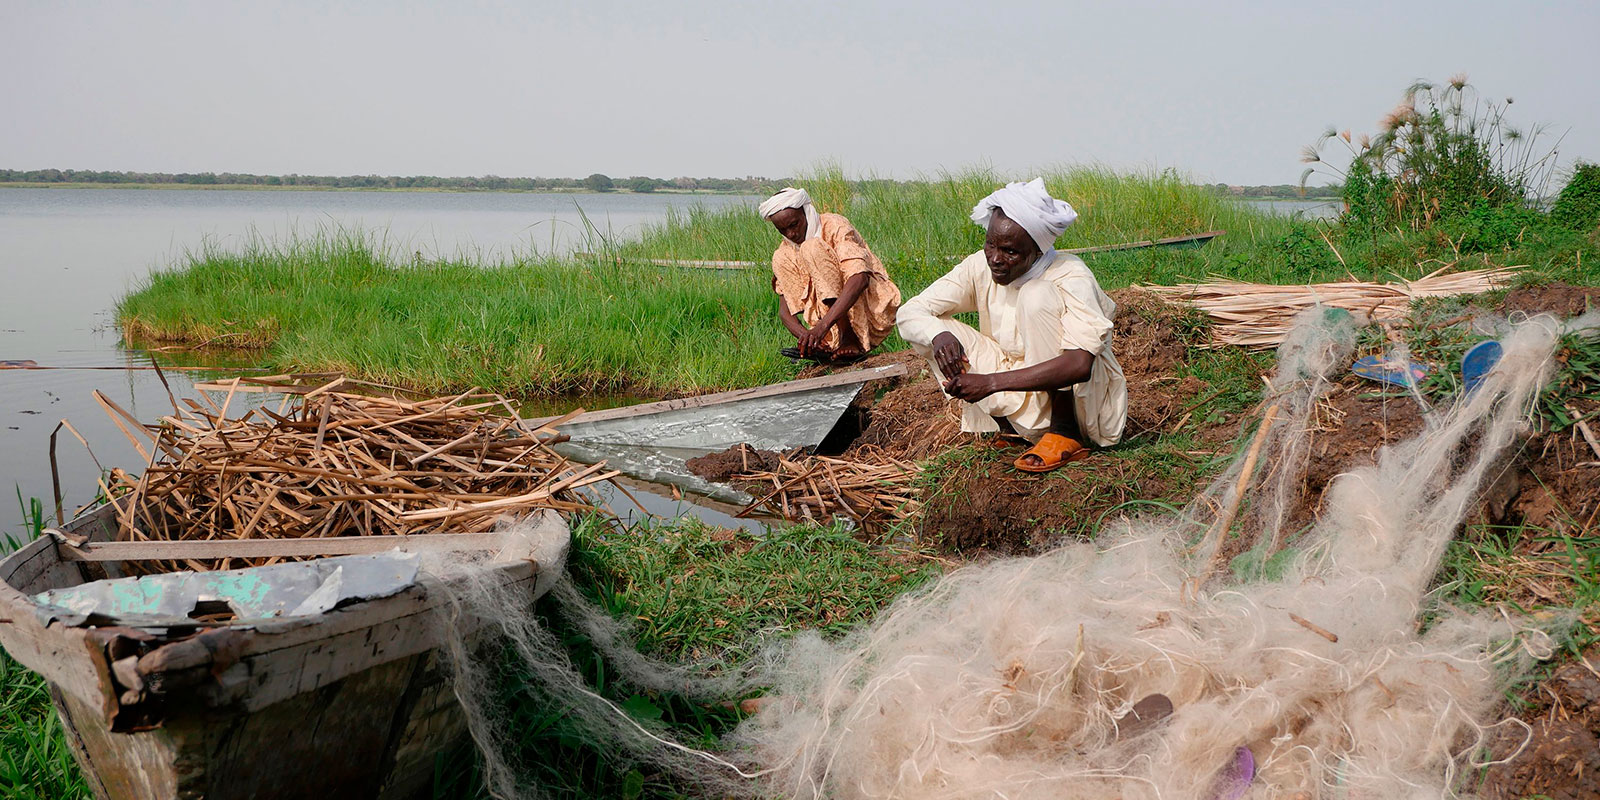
{"type": "Point", "coordinates": [349, 702]}
{"type": "Point", "coordinates": [1189, 240]}
{"type": "Point", "coordinates": [652, 441]}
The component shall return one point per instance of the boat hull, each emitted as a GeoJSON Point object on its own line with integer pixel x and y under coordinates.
{"type": "Point", "coordinates": [352, 703]}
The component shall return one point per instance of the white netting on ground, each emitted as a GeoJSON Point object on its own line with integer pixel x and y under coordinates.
{"type": "Point", "coordinates": [1016, 678]}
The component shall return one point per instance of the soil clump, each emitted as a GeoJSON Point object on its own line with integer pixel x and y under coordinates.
{"type": "Point", "coordinates": [721, 466]}
{"type": "Point", "coordinates": [1558, 298]}
{"type": "Point", "coordinates": [1562, 758]}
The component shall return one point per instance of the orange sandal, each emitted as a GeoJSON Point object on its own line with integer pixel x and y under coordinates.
{"type": "Point", "coordinates": [1053, 450]}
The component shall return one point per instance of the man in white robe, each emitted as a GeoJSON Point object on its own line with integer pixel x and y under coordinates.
{"type": "Point", "coordinates": [1040, 358]}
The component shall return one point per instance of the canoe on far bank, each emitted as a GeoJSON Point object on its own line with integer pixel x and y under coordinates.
{"type": "Point", "coordinates": [1188, 240]}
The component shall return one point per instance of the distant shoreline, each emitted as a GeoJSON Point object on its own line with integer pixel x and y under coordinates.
{"type": "Point", "coordinates": [255, 187]}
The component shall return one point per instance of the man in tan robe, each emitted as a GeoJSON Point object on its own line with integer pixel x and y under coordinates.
{"type": "Point", "coordinates": [834, 295]}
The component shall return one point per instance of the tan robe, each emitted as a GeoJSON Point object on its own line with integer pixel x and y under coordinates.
{"type": "Point", "coordinates": [806, 275]}
{"type": "Point", "coordinates": [1021, 325]}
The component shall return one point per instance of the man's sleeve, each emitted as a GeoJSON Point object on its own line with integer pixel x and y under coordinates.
{"type": "Point", "coordinates": [849, 248]}
{"type": "Point", "coordinates": [1083, 325]}
{"type": "Point", "coordinates": [919, 317]}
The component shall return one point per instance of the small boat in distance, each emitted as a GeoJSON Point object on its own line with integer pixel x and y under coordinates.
{"type": "Point", "coordinates": [1188, 240]}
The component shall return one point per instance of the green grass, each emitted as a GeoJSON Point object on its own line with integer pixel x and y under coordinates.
{"type": "Point", "coordinates": [342, 300]}
{"type": "Point", "coordinates": [34, 759]}
{"type": "Point", "coordinates": [693, 592]}
{"type": "Point", "coordinates": [334, 301]}
{"type": "Point", "coordinates": [35, 763]}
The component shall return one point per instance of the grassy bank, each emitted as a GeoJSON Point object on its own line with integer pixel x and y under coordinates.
{"type": "Point", "coordinates": [339, 300]}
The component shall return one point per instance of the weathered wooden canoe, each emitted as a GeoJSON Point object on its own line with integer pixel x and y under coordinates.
{"type": "Point", "coordinates": [348, 699]}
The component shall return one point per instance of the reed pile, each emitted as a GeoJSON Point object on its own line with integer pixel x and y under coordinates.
{"type": "Point", "coordinates": [1259, 315]}
{"type": "Point", "coordinates": [335, 459]}
{"type": "Point", "coordinates": [818, 488]}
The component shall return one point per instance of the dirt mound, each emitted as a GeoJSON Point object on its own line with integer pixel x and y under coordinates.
{"type": "Point", "coordinates": [1149, 337]}
{"type": "Point", "coordinates": [1356, 419]}
{"type": "Point", "coordinates": [1561, 299]}
{"type": "Point", "coordinates": [984, 504]}
{"type": "Point", "coordinates": [721, 466]}
{"type": "Point", "coordinates": [1562, 760]}
{"type": "Point", "coordinates": [912, 422]}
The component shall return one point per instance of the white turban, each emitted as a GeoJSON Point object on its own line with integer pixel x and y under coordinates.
{"type": "Point", "coordinates": [1028, 205]}
{"type": "Point", "coordinates": [791, 197]}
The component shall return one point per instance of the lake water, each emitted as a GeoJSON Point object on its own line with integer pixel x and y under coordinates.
{"type": "Point", "coordinates": [67, 255]}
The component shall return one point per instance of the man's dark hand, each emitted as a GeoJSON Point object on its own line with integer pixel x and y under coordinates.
{"type": "Point", "coordinates": [948, 355]}
{"type": "Point", "coordinates": [813, 340]}
{"type": "Point", "coordinates": [971, 386]}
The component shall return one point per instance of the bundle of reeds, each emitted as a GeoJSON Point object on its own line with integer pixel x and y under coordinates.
{"type": "Point", "coordinates": [819, 488]}
{"type": "Point", "coordinates": [337, 458]}
{"type": "Point", "coordinates": [1259, 315]}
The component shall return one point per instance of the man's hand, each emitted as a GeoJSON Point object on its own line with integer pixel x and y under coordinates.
{"type": "Point", "coordinates": [971, 386]}
{"type": "Point", "coordinates": [813, 340]}
{"type": "Point", "coordinates": [948, 355]}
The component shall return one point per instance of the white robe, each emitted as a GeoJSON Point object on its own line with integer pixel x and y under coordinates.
{"type": "Point", "coordinates": [1029, 322]}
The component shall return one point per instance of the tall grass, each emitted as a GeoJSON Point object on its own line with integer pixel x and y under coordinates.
{"type": "Point", "coordinates": [35, 763]}
{"type": "Point", "coordinates": [608, 322]}
{"type": "Point", "coordinates": [335, 300]}
{"type": "Point", "coordinates": [919, 227]}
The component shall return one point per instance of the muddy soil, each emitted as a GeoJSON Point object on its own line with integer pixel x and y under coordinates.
{"type": "Point", "coordinates": [721, 466]}
{"type": "Point", "coordinates": [1561, 760]}
{"type": "Point", "coordinates": [1561, 299]}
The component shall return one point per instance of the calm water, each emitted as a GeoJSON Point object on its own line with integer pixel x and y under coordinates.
{"type": "Point", "coordinates": [67, 255]}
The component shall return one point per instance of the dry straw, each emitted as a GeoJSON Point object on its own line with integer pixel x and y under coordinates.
{"type": "Point", "coordinates": [335, 459]}
{"type": "Point", "coordinates": [1260, 315]}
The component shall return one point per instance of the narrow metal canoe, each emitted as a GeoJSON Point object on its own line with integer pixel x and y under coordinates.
{"type": "Point", "coordinates": [652, 441]}
{"type": "Point", "coordinates": [326, 682]}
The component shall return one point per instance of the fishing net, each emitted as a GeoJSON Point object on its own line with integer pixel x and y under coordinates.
{"type": "Point", "coordinates": [1018, 678]}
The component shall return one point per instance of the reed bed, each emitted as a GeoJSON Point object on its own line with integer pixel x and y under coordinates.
{"type": "Point", "coordinates": [336, 459]}
{"type": "Point", "coordinates": [818, 488]}
{"type": "Point", "coordinates": [1258, 316]}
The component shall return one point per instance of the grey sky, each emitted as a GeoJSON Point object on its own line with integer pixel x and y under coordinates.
{"type": "Point", "coordinates": [1225, 91]}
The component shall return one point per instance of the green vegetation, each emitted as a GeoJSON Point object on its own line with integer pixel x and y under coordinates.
{"type": "Point", "coordinates": [1577, 208]}
{"type": "Point", "coordinates": [35, 763]}
{"type": "Point", "coordinates": [338, 300]}
{"type": "Point", "coordinates": [527, 327]}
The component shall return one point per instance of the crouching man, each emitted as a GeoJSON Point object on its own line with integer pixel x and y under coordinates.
{"type": "Point", "coordinates": [1039, 364]}
{"type": "Point", "coordinates": [824, 273]}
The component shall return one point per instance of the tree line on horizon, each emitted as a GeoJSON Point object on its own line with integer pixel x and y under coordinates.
{"type": "Point", "coordinates": [596, 182]}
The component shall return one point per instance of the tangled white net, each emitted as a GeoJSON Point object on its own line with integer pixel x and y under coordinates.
{"type": "Point", "coordinates": [1017, 678]}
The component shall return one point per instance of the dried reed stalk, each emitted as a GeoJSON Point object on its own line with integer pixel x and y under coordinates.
{"type": "Point", "coordinates": [338, 458]}
{"type": "Point", "coordinates": [872, 494]}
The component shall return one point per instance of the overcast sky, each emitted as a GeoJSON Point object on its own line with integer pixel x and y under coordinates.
{"type": "Point", "coordinates": [1225, 91]}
